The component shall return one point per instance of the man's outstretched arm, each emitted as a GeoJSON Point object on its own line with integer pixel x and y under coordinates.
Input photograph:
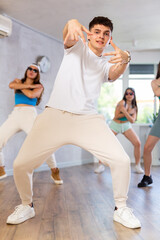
{"type": "Point", "coordinates": [120, 60]}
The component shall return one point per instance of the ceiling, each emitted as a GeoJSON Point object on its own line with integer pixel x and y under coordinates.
{"type": "Point", "coordinates": [136, 22]}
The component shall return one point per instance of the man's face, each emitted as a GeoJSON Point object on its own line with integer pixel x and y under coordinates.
{"type": "Point", "coordinates": [101, 36]}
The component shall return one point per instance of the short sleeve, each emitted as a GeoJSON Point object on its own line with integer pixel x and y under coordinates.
{"type": "Point", "coordinates": [107, 68]}
{"type": "Point", "coordinates": [78, 45]}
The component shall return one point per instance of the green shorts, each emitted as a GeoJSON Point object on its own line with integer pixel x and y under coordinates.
{"type": "Point", "coordinates": [120, 127]}
{"type": "Point", "coordinates": [155, 130]}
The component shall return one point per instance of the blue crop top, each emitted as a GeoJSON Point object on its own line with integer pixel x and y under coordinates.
{"type": "Point", "coordinates": [20, 98]}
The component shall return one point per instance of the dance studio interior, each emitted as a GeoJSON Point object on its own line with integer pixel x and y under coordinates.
{"type": "Point", "coordinates": [80, 206]}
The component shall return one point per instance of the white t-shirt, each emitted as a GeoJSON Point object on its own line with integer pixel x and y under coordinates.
{"type": "Point", "coordinates": [78, 82]}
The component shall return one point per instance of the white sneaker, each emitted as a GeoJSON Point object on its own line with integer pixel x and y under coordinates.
{"type": "Point", "coordinates": [126, 217]}
{"type": "Point", "coordinates": [21, 214]}
{"type": "Point", "coordinates": [100, 168]}
{"type": "Point", "coordinates": [138, 169]}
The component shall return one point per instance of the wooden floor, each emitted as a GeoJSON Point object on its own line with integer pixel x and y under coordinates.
{"type": "Point", "coordinates": [81, 208]}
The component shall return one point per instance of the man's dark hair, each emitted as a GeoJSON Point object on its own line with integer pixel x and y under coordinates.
{"type": "Point", "coordinates": [102, 21]}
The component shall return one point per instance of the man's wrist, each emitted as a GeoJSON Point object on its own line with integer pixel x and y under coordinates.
{"type": "Point", "coordinates": [129, 57]}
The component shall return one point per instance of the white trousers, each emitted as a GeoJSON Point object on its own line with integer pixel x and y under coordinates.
{"type": "Point", "coordinates": [54, 128]}
{"type": "Point", "coordinates": [20, 119]}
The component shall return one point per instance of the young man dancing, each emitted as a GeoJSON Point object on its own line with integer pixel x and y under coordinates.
{"type": "Point", "coordinates": [71, 116]}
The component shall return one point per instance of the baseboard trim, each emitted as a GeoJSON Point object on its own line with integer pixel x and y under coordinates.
{"type": "Point", "coordinates": [45, 167]}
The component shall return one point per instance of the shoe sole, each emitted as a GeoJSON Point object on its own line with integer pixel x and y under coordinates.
{"type": "Point", "coordinates": [58, 182]}
{"type": "Point", "coordinates": [117, 219]}
{"type": "Point", "coordinates": [145, 186]}
{"type": "Point", "coordinates": [4, 176]}
{"type": "Point", "coordinates": [99, 171]}
{"type": "Point", "coordinates": [21, 220]}
{"type": "Point", "coordinates": [139, 172]}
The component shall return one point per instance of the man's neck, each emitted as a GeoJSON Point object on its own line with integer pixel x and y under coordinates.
{"type": "Point", "coordinates": [97, 52]}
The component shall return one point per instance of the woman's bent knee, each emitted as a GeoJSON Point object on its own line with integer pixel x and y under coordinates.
{"type": "Point", "coordinates": [137, 144]}
{"type": "Point", "coordinates": [147, 149]}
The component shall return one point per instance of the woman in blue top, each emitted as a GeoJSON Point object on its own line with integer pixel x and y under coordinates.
{"type": "Point", "coordinates": [125, 114]}
{"type": "Point", "coordinates": [153, 137]}
{"type": "Point", "coordinates": [28, 92]}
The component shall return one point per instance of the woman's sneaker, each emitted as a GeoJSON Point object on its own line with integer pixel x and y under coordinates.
{"type": "Point", "coordinates": [146, 180]}
{"type": "Point", "coordinates": [138, 169]}
{"type": "Point", "coordinates": [55, 176]}
{"type": "Point", "coordinates": [2, 173]}
{"type": "Point", "coordinates": [100, 168]}
{"type": "Point", "coordinates": [21, 214]}
{"type": "Point", "coordinates": [126, 217]}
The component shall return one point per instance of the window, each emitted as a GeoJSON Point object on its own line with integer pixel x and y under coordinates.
{"type": "Point", "coordinates": [141, 69]}
{"type": "Point", "coordinates": [140, 78]}
{"type": "Point", "coordinates": [111, 94]}
{"type": "Point", "coordinates": [145, 99]}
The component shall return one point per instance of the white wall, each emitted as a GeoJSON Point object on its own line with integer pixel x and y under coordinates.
{"type": "Point", "coordinates": [146, 57]}
{"type": "Point", "coordinates": [16, 53]}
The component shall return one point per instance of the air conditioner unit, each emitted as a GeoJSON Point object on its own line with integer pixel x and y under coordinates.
{"type": "Point", "coordinates": [5, 26]}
